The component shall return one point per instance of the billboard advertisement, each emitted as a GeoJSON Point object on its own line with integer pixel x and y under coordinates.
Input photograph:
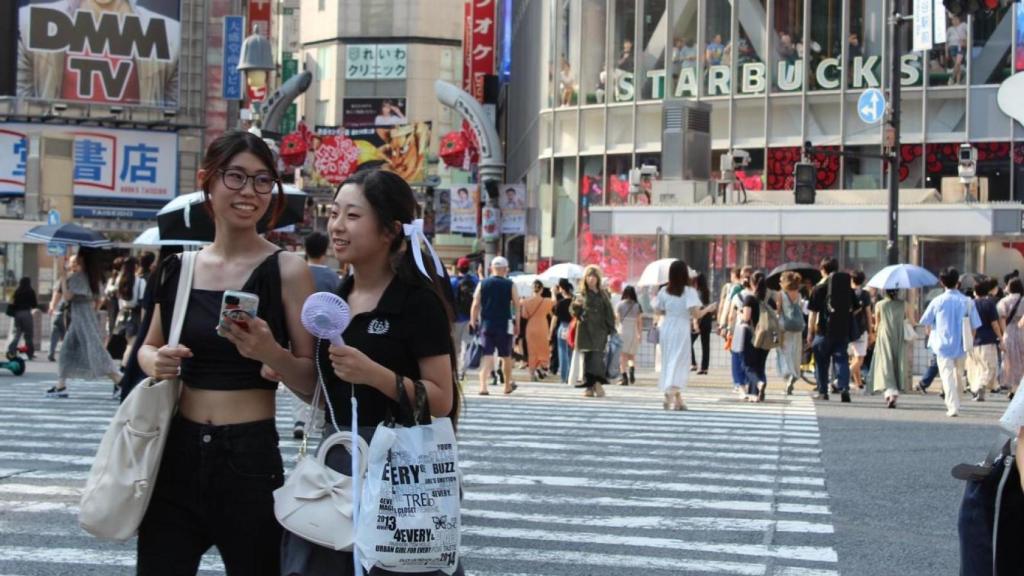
{"type": "Point", "coordinates": [363, 112]}
{"type": "Point", "coordinates": [401, 149]}
{"type": "Point", "coordinates": [464, 201]}
{"type": "Point", "coordinates": [114, 164]}
{"type": "Point", "coordinates": [123, 53]}
{"type": "Point", "coordinates": [513, 208]}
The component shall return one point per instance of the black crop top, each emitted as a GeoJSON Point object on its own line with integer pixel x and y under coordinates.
{"type": "Point", "coordinates": [215, 363]}
{"type": "Point", "coordinates": [409, 323]}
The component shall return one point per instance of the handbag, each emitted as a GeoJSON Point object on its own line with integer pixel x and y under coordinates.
{"type": "Point", "coordinates": [909, 333]}
{"type": "Point", "coordinates": [570, 336]}
{"type": "Point", "coordinates": [409, 517]}
{"type": "Point", "coordinates": [124, 472]}
{"type": "Point", "coordinates": [653, 335]}
{"type": "Point", "coordinates": [315, 501]}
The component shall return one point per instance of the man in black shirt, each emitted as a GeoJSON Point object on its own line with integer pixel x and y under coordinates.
{"type": "Point", "coordinates": [828, 331]}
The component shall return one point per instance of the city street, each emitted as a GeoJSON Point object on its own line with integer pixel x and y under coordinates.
{"type": "Point", "coordinates": [558, 484]}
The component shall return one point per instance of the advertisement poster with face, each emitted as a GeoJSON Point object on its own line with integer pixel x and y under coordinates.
{"type": "Point", "coordinates": [101, 51]}
{"type": "Point", "coordinates": [513, 208]}
{"type": "Point", "coordinates": [465, 198]}
{"type": "Point", "coordinates": [363, 112]}
{"type": "Point", "coordinates": [442, 211]}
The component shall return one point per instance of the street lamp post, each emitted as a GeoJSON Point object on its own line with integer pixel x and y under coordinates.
{"type": "Point", "coordinates": [257, 62]}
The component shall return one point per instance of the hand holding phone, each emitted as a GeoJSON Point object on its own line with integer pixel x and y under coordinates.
{"type": "Point", "coordinates": [238, 308]}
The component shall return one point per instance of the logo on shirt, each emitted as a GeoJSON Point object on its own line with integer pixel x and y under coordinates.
{"type": "Point", "coordinates": [378, 327]}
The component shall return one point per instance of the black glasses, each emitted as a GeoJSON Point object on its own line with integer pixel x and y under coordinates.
{"type": "Point", "coordinates": [236, 180]}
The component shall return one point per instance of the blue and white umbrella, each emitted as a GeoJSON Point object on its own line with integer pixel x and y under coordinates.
{"type": "Point", "coordinates": [68, 234]}
{"type": "Point", "coordinates": [151, 237]}
{"type": "Point", "coordinates": [902, 277]}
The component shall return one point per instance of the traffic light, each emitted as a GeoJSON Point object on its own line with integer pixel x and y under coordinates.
{"type": "Point", "coordinates": [805, 176]}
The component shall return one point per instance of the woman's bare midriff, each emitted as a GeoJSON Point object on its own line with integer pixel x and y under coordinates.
{"type": "Point", "coordinates": [223, 407]}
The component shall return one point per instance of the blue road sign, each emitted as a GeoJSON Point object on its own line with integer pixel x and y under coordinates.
{"type": "Point", "coordinates": [871, 106]}
{"type": "Point", "coordinates": [234, 37]}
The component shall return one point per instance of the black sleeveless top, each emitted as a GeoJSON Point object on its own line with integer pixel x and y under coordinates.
{"type": "Point", "coordinates": [215, 363]}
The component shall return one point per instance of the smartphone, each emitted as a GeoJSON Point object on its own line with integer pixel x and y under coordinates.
{"type": "Point", "coordinates": [237, 307]}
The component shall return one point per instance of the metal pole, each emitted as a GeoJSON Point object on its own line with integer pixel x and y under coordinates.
{"type": "Point", "coordinates": [892, 242]}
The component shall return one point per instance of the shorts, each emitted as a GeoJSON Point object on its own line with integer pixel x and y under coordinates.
{"type": "Point", "coordinates": [859, 347]}
{"type": "Point", "coordinates": [500, 341]}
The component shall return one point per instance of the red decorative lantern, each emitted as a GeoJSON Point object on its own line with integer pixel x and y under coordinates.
{"type": "Point", "coordinates": [293, 149]}
{"type": "Point", "coordinates": [453, 149]}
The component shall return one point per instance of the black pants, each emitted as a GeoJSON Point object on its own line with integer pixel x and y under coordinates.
{"type": "Point", "coordinates": [754, 361]}
{"type": "Point", "coordinates": [705, 346]}
{"type": "Point", "coordinates": [215, 488]}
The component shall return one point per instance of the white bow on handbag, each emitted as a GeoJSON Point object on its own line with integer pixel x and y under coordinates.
{"type": "Point", "coordinates": [315, 502]}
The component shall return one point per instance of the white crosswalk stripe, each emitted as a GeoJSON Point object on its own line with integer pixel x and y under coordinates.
{"type": "Point", "coordinates": [554, 484]}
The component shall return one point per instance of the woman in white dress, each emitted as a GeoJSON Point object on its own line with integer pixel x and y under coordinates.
{"type": "Point", "coordinates": [677, 304]}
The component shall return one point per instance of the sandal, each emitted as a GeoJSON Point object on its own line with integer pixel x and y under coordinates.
{"type": "Point", "coordinates": [484, 393]}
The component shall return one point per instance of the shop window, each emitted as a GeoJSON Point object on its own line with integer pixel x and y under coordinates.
{"type": "Point", "coordinates": [617, 184]}
{"type": "Point", "coordinates": [828, 166]}
{"type": "Point", "coordinates": [785, 121]}
{"type": "Point", "coordinates": [779, 167]}
{"type": "Point", "coordinates": [685, 55]}
{"type": "Point", "coordinates": [912, 164]}
{"type": "Point", "coordinates": [566, 131]}
{"type": "Point", "coordinates": [990, 53]}
{"type": "Point", "coordinates": [912, 116]}
{"type": "Point", "coordinates": [591, 78]}
{"type": "Point", "coordinates": [788, 49]}
{"type": "Point", "coordinates": [719, 123]}
{"type": "Point", "coordinates": [547, 210]}
{"type": "Point", "coordinates": [622, 84]}
{"type": "Point", "coordinates": [568, 50]}
{"type": "Point", "coordinates": [565, 192]}
{"type": "Point", "coordinates": [620, 128]}
{"type": "Point", "coordinates": [862, 172]}
{"type": "Point", "coordinates": [940, 162]}
{"type": "Point", "coordinates": [826, 41]}
{"type": "Point", "coordinates": [591, 189]}
{"type": "Point", "coordinates": [748, 130]}
{"type": "Point", "coordinates": [651, 64]}
{"type": "Point", "coordinates": [716, 49]}
{"type": "Point", "coordinates": [823, 118]}
{"type": "Point", "coordinates": [994, 167]}
{"type": "Point", "coordinates": [592, 126]}
{"type": "Point", "coordinates": [864, 44]}
{"type": "Point", "coordinates": [751, 48]}
{"type": "Point", "coordinates": [545, 134]}
{"type": "Point", "coordinates": [857, 131]}
{"type": "Point", "coordinates": [988, 122]}
{"type": "Point", "coordinates": [644, 197]}
{"type": "Point", "coordinates": [867, 255]}
{"type": "Point", "coordinates": [622, 258]}
{"type": "Point", "coordinates": [548, 86]}
{"type": "Point", "coordinates": [1018, 171]}
{"type": "Point", "coordinates": [946, 115]}
{"type": "Point", "coordinates": [648, 126]}
{"type": "Point", "coordinates": [947, 62]}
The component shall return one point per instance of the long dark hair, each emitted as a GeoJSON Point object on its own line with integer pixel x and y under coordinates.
{"type": "Point", "coordinates": [759, 283]}
{"type": "Point", "coordinates": [629, 293]}
{"type": "Point", "coordinates": [126, 284]}
{"type": "Point", "coordinates": [24, 286]}
{"type": "Point", "coordinates": [89, 262]}
{"type": "Point", "coordinates": [678, 278]}
{"type": "Point", "coordinates": [223, 150]}
{"type": "Point", "coordinates": [700, 283]}
{"type": "Point", "coordinates": [394, 203]}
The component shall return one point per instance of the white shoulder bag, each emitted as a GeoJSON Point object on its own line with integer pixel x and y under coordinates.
{"type": "Point", "coordinates": [123, 474]}
{"type": "Point", "coordinates": [315, 502]}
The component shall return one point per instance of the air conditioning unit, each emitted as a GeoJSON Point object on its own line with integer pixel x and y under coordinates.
{"type": "Point", "coordinates": [679, 192]}
{"type": "Point", "coordinates": [686, 140]}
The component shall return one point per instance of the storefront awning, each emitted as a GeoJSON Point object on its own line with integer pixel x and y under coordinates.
{"type": "Point", "coordinates": [760, 220]}
{"type": "Point", "coordinates": [14, 230]}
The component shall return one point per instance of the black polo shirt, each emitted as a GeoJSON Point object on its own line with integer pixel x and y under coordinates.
{"type": "Point", "coordinates": [409, 323]}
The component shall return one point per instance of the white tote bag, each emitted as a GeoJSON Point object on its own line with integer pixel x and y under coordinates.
{"type": "Point", "coordinates": [409, 518]}
{"type": "Point", "coordinates": [123, 475]}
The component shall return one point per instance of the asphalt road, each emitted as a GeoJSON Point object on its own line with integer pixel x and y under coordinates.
{"type": "Point", "coordinates": [561, 485]}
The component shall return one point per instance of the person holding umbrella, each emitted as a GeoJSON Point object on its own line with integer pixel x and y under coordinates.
{"type": "Point", "coordinates": [83, 354]}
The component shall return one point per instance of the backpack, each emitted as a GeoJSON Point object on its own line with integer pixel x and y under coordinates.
{"type": "Point", "coordinates": [767, 333]}
{"type": "Point", "coordinates": [839, 303]}
{"type": "Point", "coordinates": [792, 315]}
{"type": "Point", "coordinates": [464, 290]}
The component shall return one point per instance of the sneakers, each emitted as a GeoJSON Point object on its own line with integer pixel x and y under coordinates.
{"type": "Point", "coordinates": [299, 430]}
{"type": "Point", "coordinates": [820, 396]}
{"type": "Point", "coordinates": [922, 388]}
{"type": "Point", "coordinates": [952, 413]}
{"type": "Point", "coordinates": [979, 397]}
{"type": "Point", "coordinates": [55, 392]}
{"type": "Point", "coordinates": [790, 385]}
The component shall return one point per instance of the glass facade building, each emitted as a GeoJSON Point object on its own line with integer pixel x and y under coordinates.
{"type": "Point", "coordinates": [589, 78]}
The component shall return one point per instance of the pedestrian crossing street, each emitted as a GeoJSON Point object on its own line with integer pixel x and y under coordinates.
{"type": "Point", "coordinates": [554, 484]}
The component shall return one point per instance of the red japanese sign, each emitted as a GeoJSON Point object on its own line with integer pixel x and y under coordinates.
{"type": "Point", "coordinates": [335, 158]}
{"type": "Point", "coordinates": [481, 53]}
{"type": "Point", "coordinates": [259, 15]}
{"type": "Point", "coordinates": [467, 45]}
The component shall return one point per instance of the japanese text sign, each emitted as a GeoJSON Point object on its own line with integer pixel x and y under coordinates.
{"type": "Point", "coordinates": [481, 52]}
{"type": "Point", "coordinates": [234, 30]}
{"type": "Point", "coordinates": [376, 61]}
{"type": "Point", "coordinates": [122, 164]}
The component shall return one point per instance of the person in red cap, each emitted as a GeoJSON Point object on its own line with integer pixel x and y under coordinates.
{"type": "Point", "coordinates": [463, 288]}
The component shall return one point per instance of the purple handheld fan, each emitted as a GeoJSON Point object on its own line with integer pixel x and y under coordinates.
{"type": "Point", "coordinates": [326, 315]}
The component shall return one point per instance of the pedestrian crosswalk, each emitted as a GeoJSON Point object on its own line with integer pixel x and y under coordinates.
{"type": "Point", "coordinates": [554, 484]}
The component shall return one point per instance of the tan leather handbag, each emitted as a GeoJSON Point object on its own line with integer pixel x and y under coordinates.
{"type": "Point", "coordinates": [123, 475]}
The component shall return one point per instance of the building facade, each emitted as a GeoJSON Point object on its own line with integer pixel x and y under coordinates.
{"type": "Point", "coordinates": [589, 83]}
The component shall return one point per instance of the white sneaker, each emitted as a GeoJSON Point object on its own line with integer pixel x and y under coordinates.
{"type": "Point", "coordinates": [952, 413]}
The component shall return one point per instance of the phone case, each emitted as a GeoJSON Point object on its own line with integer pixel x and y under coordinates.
{"type": "Point", "coordinates": [239, 306]}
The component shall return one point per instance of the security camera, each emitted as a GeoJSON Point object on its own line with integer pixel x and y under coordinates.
{"type": "Point", "coordinates": [968, 166]}
{"type": "Point", "coordinates": [740, 158]}
{"type": "Point", "coordinates": [637, 175]}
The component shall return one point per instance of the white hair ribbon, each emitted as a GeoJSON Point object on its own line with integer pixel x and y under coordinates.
{"type": "Point", "coordinates": [414, 232]}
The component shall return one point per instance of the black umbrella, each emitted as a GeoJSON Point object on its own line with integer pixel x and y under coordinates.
{"type": "Point", "coordinates": [185, 218]}
{"type": "Point", "coordinates": [805, 270]}
{"type": "Point", "coordinates": [69, 233]}
{"type": "Point", "coordinates": [969, 280]}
